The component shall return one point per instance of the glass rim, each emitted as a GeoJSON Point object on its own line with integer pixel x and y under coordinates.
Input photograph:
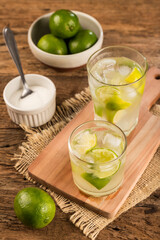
{"type": "Point", "coordinates": [118, 85]}
{"type": "Point", "coordinates": [94, 121]}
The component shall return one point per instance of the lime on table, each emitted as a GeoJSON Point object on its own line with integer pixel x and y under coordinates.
{"type": "Point", "coordinates": [133, 76]}
{"type": "Point", "coordinates": [52, 44]}
{"type": "Point", "coordinates": [83, 40]}
{"type": "Point", "coordinates": [84, 141]}
{"type": "Point", "coordinates": [34, 207]}
{"type": "Point", "coordinates": [64, 24]}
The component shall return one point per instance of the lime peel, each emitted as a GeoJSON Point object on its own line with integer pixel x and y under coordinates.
{"type": "Point", "coordinates": [95, 181]}
{"type": "Point", "coordinates": [104, 167]}
{"type": "Point", "coordinates": [103, 155]}
{"type": "Point", "coordinates": [134, 76]}
{"type": "Point", "coordinates": [110, 98]}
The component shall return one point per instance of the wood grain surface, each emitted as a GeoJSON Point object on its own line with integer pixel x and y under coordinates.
{"type": "Point", "coordinates": [133, 23]}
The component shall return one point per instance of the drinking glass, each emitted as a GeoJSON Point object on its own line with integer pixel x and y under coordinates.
{"type": "Point", "coordinates": [116, 77]}
{"type": "Point", "coordinates": [97, 152]}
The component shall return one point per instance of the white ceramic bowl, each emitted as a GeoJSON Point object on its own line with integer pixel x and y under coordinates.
{"type": "Point", "coordinates": [40, 27]}
{"type": "Point", "coordinates": [38, 116]}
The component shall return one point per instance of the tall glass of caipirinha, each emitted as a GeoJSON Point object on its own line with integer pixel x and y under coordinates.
{"type": "Point", "coordinates": [116, 77]}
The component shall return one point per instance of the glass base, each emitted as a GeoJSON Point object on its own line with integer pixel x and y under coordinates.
{"type": "Point", "coordinates": [99, 194]}
{"type": "Point", "coordinates": [127, 132]}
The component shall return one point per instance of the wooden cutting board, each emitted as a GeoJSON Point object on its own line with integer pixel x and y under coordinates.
{"type": "Point", "coordinates": [52, 167]}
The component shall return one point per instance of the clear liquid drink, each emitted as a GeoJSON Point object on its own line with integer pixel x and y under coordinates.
{"type": "Point", "coordinates": [97, 153]}
{"type": "Point", "coordinates": [116, 78]}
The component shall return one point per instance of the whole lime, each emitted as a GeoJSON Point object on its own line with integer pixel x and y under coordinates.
{"type": "Point", "coordinates": [34, 207]}
{"type": "Point", "coordinates": [83, 40]}
{"type": "Point", "coordinates": [64, 24]}
{"type": "Point", "coordinates": [52, 44]}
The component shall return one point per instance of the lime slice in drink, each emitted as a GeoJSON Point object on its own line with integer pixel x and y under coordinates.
{"type": "Point", "coordinates": [102, 172]}
{"type": "Point", "coordinates": [103, 166]}
{"type": "Point", "coordinates": [84, 141]}
{"type": "Point", "coordinates": [98, 109]}
{"type": "Point", "coordinates": [106, 92]}
{"type": "Point", "coordinates": [116, 104]}
{"type": "Point", "coordinates": [110, 96]}
{"type": "Point", "coordinates": [99, 183]}
{"type": "Point", "coordinates": [102, 155]}
{"type": "Point", "coordinates": [133, 76]}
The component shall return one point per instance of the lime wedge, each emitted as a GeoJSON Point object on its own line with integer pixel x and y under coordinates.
{"type": "Point", "coordinates": [107, 171]}
{"type": "Point", "coordinates": [99, 183]}
{"type": "Point", "coordinates": [98, 110]}
{"type": "Point", "coordinates": [102, 155]}
{"type": "Point", "coordinates": [110, 96]}
{"type": "Point", "coordinates": [135, 75]}
{"type": "Point", "coordinates": [109, 114]}
{"type": "Point", "coordinates": [116, 104]}
{"type": "Point", "coordinates": [104, 93]}
{"type": "Point", "coordinates": [84, 141]}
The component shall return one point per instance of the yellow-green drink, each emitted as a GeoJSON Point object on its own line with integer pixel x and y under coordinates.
{"type": "Point", "coordinates": [116, 78]}
{"type": "Point", "coordinates": [97, 154]}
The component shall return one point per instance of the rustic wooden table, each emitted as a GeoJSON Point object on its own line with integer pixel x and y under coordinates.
{"type": "Point", "coordinates": [133, 23]}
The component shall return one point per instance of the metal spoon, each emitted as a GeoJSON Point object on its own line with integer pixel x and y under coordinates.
{"type": "Point", "coordinates": [12, 48]}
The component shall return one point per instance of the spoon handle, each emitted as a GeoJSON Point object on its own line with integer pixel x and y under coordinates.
{"type": "Point", "coordinates": [12, 48]}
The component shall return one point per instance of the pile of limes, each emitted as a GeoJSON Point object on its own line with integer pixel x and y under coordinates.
{"type": "Point", "coordinates": [67, 35]}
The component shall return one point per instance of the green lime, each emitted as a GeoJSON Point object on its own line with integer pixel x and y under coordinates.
{"type": "Point", "coordinates": [106, 92]}
{"type": "Point", "coordinates": [109, 115]}
{"type": "Point", "coordinates": [83, 40]}
{"type": "Point", "coordinates": [103, 155]}
{"type": "Point", "coordinates": [64, 24]}
{"type": "Point", "coordinates": [97, 182]}
{"type": "Point", "coordinates": [84, 141]}
{"type": "Point", "coordinates": [102, 174]}
{"type": "Point", "coordinates": [98, 109]}
{"type": "Point", "coordinates": [135, 75]}
{"type": "Point", "coordinates": [110, 97]}
{"type": "Point", "coordinates": [52, 44]}
{"type": "Point", "coordinates": [34, 207]}
{"type": "Point", "coordinates": [116, 104]}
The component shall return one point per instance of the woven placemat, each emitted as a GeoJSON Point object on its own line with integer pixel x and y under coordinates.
{"type": "Point", "coordinates": [37, 139]}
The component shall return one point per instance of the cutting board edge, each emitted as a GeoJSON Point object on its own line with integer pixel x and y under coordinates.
{"type": "Point", "coordinates": [76, 200]}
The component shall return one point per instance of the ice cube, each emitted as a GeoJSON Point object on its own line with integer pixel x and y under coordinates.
{"type": "Point", "coordinates": [98, 76]}
{"type": "Point", "coordinates": [111, 141]}
{"type": "Point", "coordinates": [106, 62]}
{"type": "Point", "coordinates": [128, 93]}
{"type": "Point", "coordinates": [124, 70]}
{"type": "Point", "coordinates": [112, 77]}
